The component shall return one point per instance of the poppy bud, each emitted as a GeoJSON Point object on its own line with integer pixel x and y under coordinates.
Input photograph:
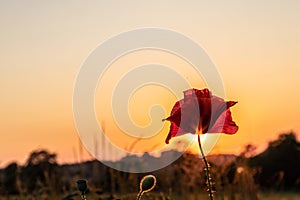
{"type": "Point", "coordinates": [81, 185]}
{"type": "Point", "coordinates": [147, 183]}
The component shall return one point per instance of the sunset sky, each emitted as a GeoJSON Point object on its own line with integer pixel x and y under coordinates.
{"type": "Point", "coordinates": [255, 45]}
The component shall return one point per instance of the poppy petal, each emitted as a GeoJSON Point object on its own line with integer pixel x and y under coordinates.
{"type": "Point", "coordinates": [201, 110]}
{"type": "Point", "coordinates": [224, 124]}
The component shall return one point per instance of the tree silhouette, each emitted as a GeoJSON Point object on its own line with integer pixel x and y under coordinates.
{"type": "Point", "coordinates": [10, 179]}
{"type": "Point", "coordinates": [278, 166]}
{"type": "Point", "coordinates": [40, 172]}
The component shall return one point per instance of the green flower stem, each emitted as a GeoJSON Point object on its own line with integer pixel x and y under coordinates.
{"type": "Point", "coordinates": [209, 184]}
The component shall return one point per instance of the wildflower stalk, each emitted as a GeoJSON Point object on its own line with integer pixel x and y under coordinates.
{"type": "Point", "coordinates": [82, 187]}
{"type": "Point", "coordinates": [83, 197]}
{"type": "Point", "coordinates": [207, 172]}
{"type": "Point", "coordinates": [139, 196]}
{"type": "Point", "coordinates": [146, 185]}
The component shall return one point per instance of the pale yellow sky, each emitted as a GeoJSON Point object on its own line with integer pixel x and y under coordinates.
{"type": "Point", "coordinates": [254, 44]}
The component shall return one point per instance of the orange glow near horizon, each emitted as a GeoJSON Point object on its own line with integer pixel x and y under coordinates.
{"type": "Point", "coordinates": [142, 100]}
{"type": "Point", "coordinates": [255, 48]}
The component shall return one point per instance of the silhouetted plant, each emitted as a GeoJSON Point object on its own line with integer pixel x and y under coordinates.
{"type": "Point", "coordinates": [82, 187]}
{"type": "Point", "coordinates": [278, 166]}
{"type": "Point", "coordinates": [10, 179]}
{"type": "Point", "coordinates": [41, 171]}
{"type": "Point", "coordinates": [146, 185]}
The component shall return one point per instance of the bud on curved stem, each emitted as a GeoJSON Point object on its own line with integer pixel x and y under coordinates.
{"type": "Point", "coordinates": [146, 185]}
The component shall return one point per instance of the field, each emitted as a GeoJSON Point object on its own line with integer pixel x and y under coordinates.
{"type": "Point", "coordinates": [161, 196]}
{"type": "Point", "coordinates": [270, 175]}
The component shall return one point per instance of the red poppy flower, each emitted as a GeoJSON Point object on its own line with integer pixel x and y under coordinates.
{"type": "Point", "coordinates": [200, 112]}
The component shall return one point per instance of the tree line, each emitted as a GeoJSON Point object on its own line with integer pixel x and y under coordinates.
{"type": "Point", "coordinates": [276, 168]}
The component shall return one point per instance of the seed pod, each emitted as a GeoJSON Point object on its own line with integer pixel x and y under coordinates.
{"type": "Point", "coordinates": [147, 183]}
{"type": "Point", "coordinates": [81, 185]}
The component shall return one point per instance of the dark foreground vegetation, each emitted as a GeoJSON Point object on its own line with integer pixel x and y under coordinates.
{"type": "Point", "coordinates": [247, 176]}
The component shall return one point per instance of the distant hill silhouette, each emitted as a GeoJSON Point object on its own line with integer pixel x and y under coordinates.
{"type": "Point", "coordinates": [275, 168]}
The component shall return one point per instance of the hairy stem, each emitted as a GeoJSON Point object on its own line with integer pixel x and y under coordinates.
{"type": "Point", "coordinates": [209, 184]}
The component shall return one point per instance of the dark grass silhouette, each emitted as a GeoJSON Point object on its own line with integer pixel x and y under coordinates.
{"type": "Point", "coordinates": [247, 176]}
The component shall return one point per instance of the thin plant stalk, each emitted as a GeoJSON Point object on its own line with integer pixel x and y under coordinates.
{"type": "Point", "coordinates": [147, 184]}
{"type": "Point", "coordinates": [83, 197]}
{"type": "Point", "coordinates": [139, 196]}
{"type": "Point", "coordinates": [207, 172]}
